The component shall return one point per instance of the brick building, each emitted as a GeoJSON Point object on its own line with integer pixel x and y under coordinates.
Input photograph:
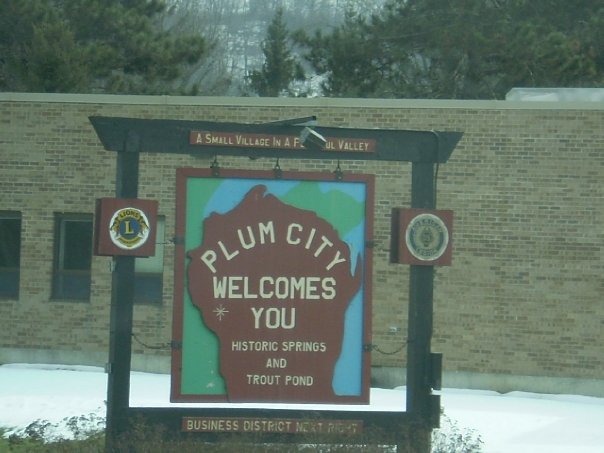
{"type": "Point", "coordinates": [521, 307]}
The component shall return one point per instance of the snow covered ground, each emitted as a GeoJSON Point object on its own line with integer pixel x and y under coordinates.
{"type": "Point", "coordinates": [514, 422]}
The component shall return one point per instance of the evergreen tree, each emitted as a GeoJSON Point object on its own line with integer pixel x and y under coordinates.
{"type": "Point", "coordinates": [109, 46]}
{"type": "Point", "coordinates": [280, 69]}
{"type": "Point", "coordinates": [349, 58]}
{"type": "Point", "coordinates": [462, 49]}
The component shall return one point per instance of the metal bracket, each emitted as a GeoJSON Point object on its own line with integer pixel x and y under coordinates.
{"type": "Point", "coordinates": [435, 370]}
{"type": "Point", "coordinates": [215, 167]}
{"type": "Point", "coordinates": [338, 173]}
{"type": "Point", "coordinates": [277, 170]}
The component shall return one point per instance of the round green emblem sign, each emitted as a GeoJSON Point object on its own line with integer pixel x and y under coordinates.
{"type": "Point", "coordinates": [427, 237]}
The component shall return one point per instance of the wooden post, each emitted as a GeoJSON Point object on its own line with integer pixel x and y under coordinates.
{"type": "Point", "coordinates": [421, 285]}
{"type": "Point", "coordinates": [122, 296]}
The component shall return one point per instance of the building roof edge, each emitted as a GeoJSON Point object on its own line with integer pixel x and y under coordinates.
{"type": "Point", "coordinates": [69, 98]}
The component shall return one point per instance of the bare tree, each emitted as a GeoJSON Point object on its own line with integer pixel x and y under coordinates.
{"type": "Point", "coordinates": [236, 29]}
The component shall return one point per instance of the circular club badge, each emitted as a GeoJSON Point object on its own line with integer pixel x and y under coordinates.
{"type": "Point", "coordinates": [129, 228]}
{"type": "Point", "coordinates": [427, 237]}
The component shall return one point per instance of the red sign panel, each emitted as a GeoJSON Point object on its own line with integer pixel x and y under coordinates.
{"type": "Point", "coordinates": [125, 227]}
{"type": "Point", "coordinates": [423, 237]}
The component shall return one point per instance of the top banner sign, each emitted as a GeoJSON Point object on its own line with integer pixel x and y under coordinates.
{"type": "Point", "coordinates": [272, 300]}
{"type": "Point", "coordinates": [247, 140]}
{"type": "Point", "coordinates": [208, 138]}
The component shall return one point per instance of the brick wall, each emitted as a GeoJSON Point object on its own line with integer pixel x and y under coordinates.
{"type": "Point", "coordinates": [524, 294]}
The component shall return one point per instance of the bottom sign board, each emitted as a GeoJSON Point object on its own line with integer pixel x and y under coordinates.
{"type": "Point", "coordinates": [270, 425]}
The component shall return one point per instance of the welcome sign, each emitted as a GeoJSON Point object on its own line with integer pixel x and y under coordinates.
{"type": "Point", "coordinates": [272, 291]}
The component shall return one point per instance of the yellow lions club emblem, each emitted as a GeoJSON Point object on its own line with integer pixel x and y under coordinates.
{"type": "Point", "coordinates": [129, 228]}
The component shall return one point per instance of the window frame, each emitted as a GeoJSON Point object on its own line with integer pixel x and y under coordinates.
{"type": "Point", "coordinates": [61, 277]}
{"type": "Point", "coordinates": [7, 270]}
{"type": "Point", "coordinates": [158, 276]}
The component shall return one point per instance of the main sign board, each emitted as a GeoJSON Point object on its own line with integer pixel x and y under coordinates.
{"type": "Point", "coordinates": [272, 290]}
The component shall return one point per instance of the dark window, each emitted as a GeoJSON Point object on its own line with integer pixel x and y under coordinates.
{"type": "Point", "coordinates": [148, 277]}
{"type": "Point", "coordinates": [73, 257]}
{"type": "Point", "coordinates": [10, 254]}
